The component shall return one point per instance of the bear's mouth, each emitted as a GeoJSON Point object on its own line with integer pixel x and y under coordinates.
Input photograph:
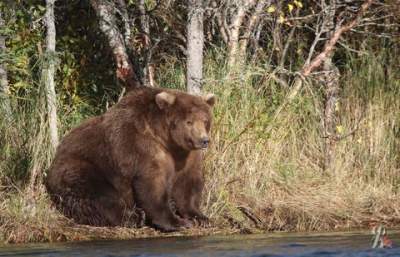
{"type": "Point", "coordinates": [190, 143]}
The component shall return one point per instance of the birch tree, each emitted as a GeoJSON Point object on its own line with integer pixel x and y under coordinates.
{"type": "Point", "coordinates": [195, 43]}
{"type": "Point", "coordinates": [242, 6]}
{"type": "Point", "coordinates": [252, 23]}
{"type": "Point", "coordinates": [330, 79]}
{"type": "Point", "coordinates": [148, 70]}
{"type": "Point", "coordinates": [4, 88]}
{"type": "Point", "coordinates": [49, 71]}
{"type": "Point", "coordinates": [108, 23]}
{"type": "Point", "coordinates": [237, 20]}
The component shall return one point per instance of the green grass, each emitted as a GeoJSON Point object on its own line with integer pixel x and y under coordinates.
{"type": "Point", "coordinates": [270, 167]}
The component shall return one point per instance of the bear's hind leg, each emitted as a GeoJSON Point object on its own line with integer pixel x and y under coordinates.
{"type": "Point", "coordinates": [82, 193]}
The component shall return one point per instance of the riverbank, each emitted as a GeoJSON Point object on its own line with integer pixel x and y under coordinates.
{"type": "Point", "coordinates": [35, 220]}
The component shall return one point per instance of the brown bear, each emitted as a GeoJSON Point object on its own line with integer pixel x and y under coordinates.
{"type": "Point", "coordinates": [145, 151]}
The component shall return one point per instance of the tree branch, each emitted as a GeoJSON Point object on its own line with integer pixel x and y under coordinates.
{"type": "Point", "coordinates": [330, 44]}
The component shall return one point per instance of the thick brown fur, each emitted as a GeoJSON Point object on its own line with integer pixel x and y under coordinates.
{"type": "Point", "coordinates": [144, 151]}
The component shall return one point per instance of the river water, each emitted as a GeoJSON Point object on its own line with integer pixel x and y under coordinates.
{"type": "Point", "coordinates": [273, 244]}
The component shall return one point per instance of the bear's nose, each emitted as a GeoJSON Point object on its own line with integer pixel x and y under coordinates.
{"type": "Point", "coordinates": [204, 142]}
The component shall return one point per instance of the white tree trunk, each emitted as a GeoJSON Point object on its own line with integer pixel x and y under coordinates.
{"type": "Point", "coordinates": [195, 43]}
{"type": "Point", "coordinates": [233, 44]}
{"type": "Point", "coordinates": [330, 79]}
{"type": "Point", "coordinates": [221, 23]}
{"type": "Point", "coordinates": [242, 7]}
{"type": "Point", "coordinates": [125, 20]}
{"type": "Point", "coordinates": [251, 25]}
{"type": "Point", "coordinates": [108, 25]}
{"type": "Point", "coordinates": [48, 73]}
{"type": "Point", "coordinates": [148, 73]}
{"type": "Point", "coordinates": [4, 88]}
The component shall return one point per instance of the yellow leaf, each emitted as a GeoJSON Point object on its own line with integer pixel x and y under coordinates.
{"type": "Point", "coordinates": [340, 129]}
{"type": "Point", "coordinates": [359, 140]}
{"type": "Point", "coordinates": [298, 4]}
{"type": "Point", "coordinates": [337, 106]}
{"type": "Point", "coordinates": [290, 7]}
{"type": "Point", "coordinates": [20, 84]}
{"type": "Point", "coordinates": [271, 9]}
{"type": "Point", "coordinates": [281, 19]}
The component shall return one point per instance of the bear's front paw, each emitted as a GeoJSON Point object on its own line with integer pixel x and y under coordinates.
{"type": "Point", "coordinates": [171, 225]}
{"type": "Point", "coordinates": [185, 223]}
{"type": "Point", "coordinates": [201, 220]}
{"type": "Point", "coordinates": [166, 228]}
{"type": "Point", "coordinates": [204, 221]}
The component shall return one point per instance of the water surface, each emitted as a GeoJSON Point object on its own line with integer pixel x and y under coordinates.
{"type": "Point", "coordinates": [273, 244]}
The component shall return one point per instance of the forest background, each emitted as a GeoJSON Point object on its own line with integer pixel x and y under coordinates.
{"type": "Point", "coordinates": [306, 134]}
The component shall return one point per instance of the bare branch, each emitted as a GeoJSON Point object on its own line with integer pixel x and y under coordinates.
{"type": "Point", "coordinates": [318, 34]}
{"type": "Point", "coordinates": [288, 42]}
{"type": "Point", "coordinates": [251, 215]}
{"type": "Point", "coordinates": [330, 44]}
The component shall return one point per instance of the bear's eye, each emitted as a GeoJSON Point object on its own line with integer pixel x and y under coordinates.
{"type": "Point", "coordinates": [189, 123]}
{"type": "Point", "coordinates": [208, 125]}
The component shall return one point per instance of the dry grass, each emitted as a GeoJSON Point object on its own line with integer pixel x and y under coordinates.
{"type": "Point", "coordinates": [273, 167]}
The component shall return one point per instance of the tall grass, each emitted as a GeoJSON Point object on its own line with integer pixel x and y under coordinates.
{"type": "Point", "coordinates": [260, 171]}
{"type": "Point", "coordinates": [274, 167]}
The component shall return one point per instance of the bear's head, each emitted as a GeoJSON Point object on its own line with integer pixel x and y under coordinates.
{"type": "Point", "coordinates": [189, 118]}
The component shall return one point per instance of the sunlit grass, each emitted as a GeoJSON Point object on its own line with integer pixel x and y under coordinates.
{"type": "Point", "coordinates": [274, 168]}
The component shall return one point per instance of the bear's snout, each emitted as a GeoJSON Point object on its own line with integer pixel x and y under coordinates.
{"type": "Point", "coordinates": [204, 141]}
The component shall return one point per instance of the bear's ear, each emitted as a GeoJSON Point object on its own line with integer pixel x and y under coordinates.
{"type": "Point", "coordinates": [210, 99]}
{"type": "Point", "coordinates": [164, 100]}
